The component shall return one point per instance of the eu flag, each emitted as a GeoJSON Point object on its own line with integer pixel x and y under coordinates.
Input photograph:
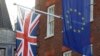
{"type": "Point", "coordinates": [76, 25]}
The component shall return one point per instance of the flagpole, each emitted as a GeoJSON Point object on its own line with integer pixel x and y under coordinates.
{"type": "Point", "coordinates": [39, 11]}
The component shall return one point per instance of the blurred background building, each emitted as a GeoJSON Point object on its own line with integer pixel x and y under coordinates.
{"type": "Point", "coordinates": [7, 35]}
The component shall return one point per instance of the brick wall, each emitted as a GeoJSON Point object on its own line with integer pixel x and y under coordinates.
{"type": "Point", "coordinates": [53, 46]}
{"type": "Point", "coordinates": [95, 28]}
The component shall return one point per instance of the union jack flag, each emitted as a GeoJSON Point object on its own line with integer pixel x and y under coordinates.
{"type": "Point", "coordinates": [26, 34]}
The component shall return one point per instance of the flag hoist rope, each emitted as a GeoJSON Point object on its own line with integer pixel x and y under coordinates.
{"type": "Point", "coordinates": [39, 11]}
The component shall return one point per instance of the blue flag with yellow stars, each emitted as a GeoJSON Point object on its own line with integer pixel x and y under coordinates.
{"type": "Point", "coordinates": [76, 25]}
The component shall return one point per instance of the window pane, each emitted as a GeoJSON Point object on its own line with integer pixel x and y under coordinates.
{"type": "Point", "coordinates": [52, 27]}
{"type": "Point", "coordinates": [2, 52]}
{"type": "Point", "coordinates": [68, 53]}
{"type": "Point", "coordinates": [91, 11]}
{"type": "Point", "coordinates": [50, 18]}
{"type": "Point", "coordinates": [14, 52]}
{"type": "Point", "coordinates": [50, 21]}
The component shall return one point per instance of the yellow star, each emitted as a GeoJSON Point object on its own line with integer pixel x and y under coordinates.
{"type": "Point", "coordinates": [70, 27]}
{"type": "Point", "coordinates": [83, 23]}
{"type": "Point", "coordinates": [75, 10]}
{"type": "Point", "coordinates": [68, 12]}
{"type": "Point", "coordinates": [79, 13]}
{"type": "Point", "coordinates": [71, 9]}
{"type": "Point", "coordinates": [82, 28]}
{"type": "Point", "coordinates": [79, 31]}
{"type": "Point", "coordinates": [83, 18]}
{"type": "Point", "coordinates": [74, 30]}
{"type": "Point", "coordinates": [67, 16]}
{"type": "Point", "coordinates": [68, 22]}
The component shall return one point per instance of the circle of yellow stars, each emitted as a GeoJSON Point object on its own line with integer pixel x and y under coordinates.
{"type": "Point", "coordinates": [82, 18]}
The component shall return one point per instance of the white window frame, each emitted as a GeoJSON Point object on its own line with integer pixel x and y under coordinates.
{"type": "Point", "coordinates": [92, 48]}
{"type": "Point", "coordinates": [68, 53]}
{"type": "Point", "coordinates": [91, 10]}
{"type": "Point", "coordinates": [49, 34]}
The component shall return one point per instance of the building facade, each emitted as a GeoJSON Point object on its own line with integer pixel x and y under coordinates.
{"type": "Point", "coordinates": [7, 35]}
{"type": "Point", "coordinates": [4, 17]}
{"type": "Point", "coordinates": [49, 43]}
{"type": "Point", "coordinates": [95, 28]}
{"type": "Point", "coordinates": [50, 30]}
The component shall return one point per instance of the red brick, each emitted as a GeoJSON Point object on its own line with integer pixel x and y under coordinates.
{"type": "Point", "coordinates": [53, 46]}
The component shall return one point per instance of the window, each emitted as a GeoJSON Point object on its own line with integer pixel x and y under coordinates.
{"type": "Point", "coordinates": [50, 22]}
{"type": "Point", "coordinates": [68, 53]}
{"type": "Point", "coordinates": [14, 54]}
{"type": "Point", "coordinates": [2, 52]}
{"type": "Point", "coordinates": [91, 10]}
{"type": "Point", "coordinates": [92, 49]}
